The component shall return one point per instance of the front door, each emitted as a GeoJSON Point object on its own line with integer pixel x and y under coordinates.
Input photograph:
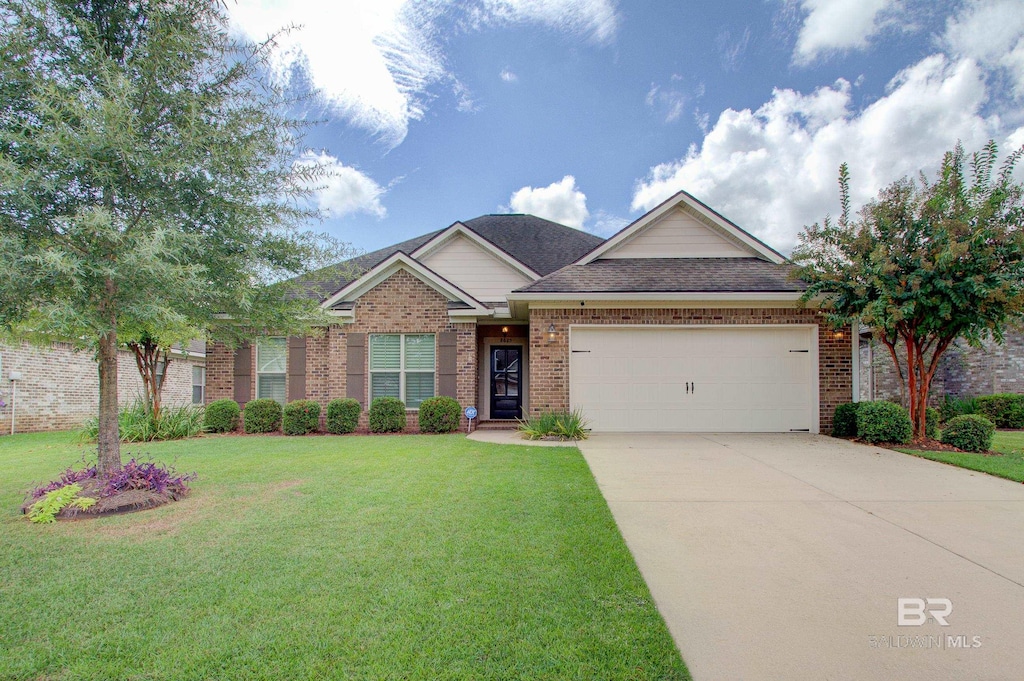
{"type": "Point", "coordinates": [506, 382]}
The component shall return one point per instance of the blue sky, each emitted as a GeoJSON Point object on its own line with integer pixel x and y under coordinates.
{"type": "Point", "coordinates": [590, 112]}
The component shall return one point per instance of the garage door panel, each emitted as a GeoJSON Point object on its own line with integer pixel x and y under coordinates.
{"type": "Point", "coordinates": [742, 379]}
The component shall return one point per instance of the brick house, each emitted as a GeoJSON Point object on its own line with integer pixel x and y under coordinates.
{"type": "Point", "coordinates": [58, 387]}
{"type": "Point", "coordinates": [680, 322]}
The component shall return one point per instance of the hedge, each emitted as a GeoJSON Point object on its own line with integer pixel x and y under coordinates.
{"type": "Point", "coordinates": [221, 416]}
{"type": "Point", "coordinates": [1005, 410]}
{"type": "Point", "coordinates": [262, 416]}
{"type": "Point", "coordinates": [883, 422]}
{"type": "Point", "coordinates": [343, 416]}
{"type": "Point", "coordinates": [301, 417]}
{"type": "Point", "coordinates": [387, 415]}
{"type": "Point", "coordinates": [844, 421]}
{"type": "Point", "coordinates": [970, 432]}
{"type": "Point", "coordinates": [439, 415]}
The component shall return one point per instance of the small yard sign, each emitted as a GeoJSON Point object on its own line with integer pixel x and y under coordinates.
{"type": "Point", "coordinates": [470, 414]}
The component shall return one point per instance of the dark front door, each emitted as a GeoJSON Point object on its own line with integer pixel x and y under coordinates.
{"type": "Point", "coordinates": [506, 382]}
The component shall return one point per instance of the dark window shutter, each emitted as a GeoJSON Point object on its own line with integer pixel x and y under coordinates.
{"type": "Point", "coordinates": [243, 374]}
{"type": "Point", "coordinates": [447, 364]}
{"type": "Point", "coordinates": [296, 368]}
{"type": "Point", "coordinates": [355, 360]}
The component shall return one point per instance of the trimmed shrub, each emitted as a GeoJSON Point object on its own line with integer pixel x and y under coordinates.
{"type": "Point", "coordinates": [883, 422]}
{"type": "Point", "coordinates": [844, 421]}
{"type": "Point", "coordinates": [301, 417]}
{"type": "Point", "coordinates": [221, 416]}
{"type": "Point", "coordinates": [439, 415]}
{"type": "Point", "coordinates": [387, 415]}
{"type": "Point", "coordinates": [262, 416]}
{"type": "Point", "coordinates": [931, 423]}
{"type": "Point", "coordinates": [343, 416]}
{"type": "Point", "coordinates": [1005, 410]}
{"type": "Point", "coordinates": [970, 432]}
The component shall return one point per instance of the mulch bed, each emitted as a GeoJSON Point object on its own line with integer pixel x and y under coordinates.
{"type": "Point", "coordinates": [924, 444]}
{"type": "Point", "coordinates": [128, 501]}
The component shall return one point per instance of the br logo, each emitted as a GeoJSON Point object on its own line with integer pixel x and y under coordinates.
{"type": "Point", "coordinates": [913, 612]}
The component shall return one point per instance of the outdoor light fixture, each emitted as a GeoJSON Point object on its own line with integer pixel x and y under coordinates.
{"type": "Point", "coordinates": [837, 334]}
{"type": "Point", "coordinates": [504, 332]}
{"type": "Point", "coordinates": [551, 334]}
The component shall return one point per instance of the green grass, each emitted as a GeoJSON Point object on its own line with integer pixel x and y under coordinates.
{"type": "Point", "coordinates": [1008, 464]}
{"type": "Point", "coordinates": [410, 557]}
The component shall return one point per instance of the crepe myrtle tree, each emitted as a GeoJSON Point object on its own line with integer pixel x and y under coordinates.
{"type": "Point", "coordinates": [924, 264]}
{"type": "Point", "coordinates": [147, 183]}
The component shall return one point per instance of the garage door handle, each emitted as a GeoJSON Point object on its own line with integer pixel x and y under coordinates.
{"type": "Point", "coordinates": [581, 350]}
{"type": "Point", "coordinates": [799, 350]}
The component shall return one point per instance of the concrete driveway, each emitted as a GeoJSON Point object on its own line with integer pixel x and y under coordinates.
{"type": "Point", "coordinates": [783, 556]}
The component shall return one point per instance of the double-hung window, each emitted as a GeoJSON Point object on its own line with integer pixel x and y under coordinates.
{"type": "Point", "coordinates": [402, 366]}
{"type": "Point", "coordinates": [271, 363]}
{"type": "Point", "coordinates": [198, 384]}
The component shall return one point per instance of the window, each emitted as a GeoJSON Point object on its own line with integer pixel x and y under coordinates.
{"type": "Point", "coordinates": [402, 366]}
{"type": "Point", "coordinates": [198, 384]}
{"type": "Point", "coordinates": [271, 354]}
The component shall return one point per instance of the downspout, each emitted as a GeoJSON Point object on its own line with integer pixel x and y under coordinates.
{"type": "Point", "coordinates": [855, 359]}
{"type": "Point", "coordinates": [15, 377]}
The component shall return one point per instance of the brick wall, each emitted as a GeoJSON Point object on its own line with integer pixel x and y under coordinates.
{"type": "Point", "coordinates": [549, 361]}
{"type": "Point", "coordinates": [963, 371]}
{"type": "Point", "coordinates": [400, 304]}
{"type": "Point", "coordinates": [60, 387]}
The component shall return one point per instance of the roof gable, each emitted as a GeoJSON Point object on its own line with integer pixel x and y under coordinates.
{"type": "Point", "coordinates": [402, 261]}
{"type": "Point", "coordinates": [682, 227]}
{"type": "Point", "coordinates": [474, 264]}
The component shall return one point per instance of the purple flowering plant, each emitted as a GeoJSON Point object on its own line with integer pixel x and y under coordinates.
{"type": "Point", "coordinates": [134, 475]}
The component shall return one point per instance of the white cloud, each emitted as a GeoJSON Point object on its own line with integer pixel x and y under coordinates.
{"type": "Point", "coordinates": [839, 25]}
{"type": "Point", "coordinates": [509, 76]}
{"type": "Point", "coordinates": [669, 102]}
{"type": "Point", "coordinates": [596, 20]}
{"type": "Point", "coordinates": [774, 170]}
{"type": "Point", "coordinates": [374, 62]}
{"type": "Point", "coordinates": [992, 32]}
{"type": "Point", "coordinates": [343, 189]}
{"type": "Point", "coordinates": [732, 51]}
{"type": "Point", "coordinates": [559, 202]}
{"type": "Point", "coordinates": [605, 224]}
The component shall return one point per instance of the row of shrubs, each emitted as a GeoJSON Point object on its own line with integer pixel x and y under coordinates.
{"type": "Point", "coordinates": [1005, 410]}
{"type": "Point", "coordinates": [301, 417]}
{"type": "Point", "coordinates": [883, 421]}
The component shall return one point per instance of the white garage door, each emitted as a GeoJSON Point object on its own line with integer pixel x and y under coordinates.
{"type": "Point", "coordinates": [755, 379]}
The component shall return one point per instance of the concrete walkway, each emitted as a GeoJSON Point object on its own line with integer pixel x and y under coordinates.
{"type": "Point", "coordinates": [783, 556]}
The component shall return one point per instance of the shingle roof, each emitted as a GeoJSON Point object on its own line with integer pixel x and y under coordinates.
{"type": "Point", "coordinates": [670, 275]}
{"type": "Point", "coordinates": [540, 244]}
{"type": "Point", "coordinates": [332, 278]}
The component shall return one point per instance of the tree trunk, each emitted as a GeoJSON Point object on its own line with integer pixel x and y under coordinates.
{"type": "Point", "coordinates": [108, 458]}
{"type": "Point", "coordinates": [148, 356]}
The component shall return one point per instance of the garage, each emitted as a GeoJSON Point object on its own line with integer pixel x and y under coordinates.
{"type": "Point", "coordinates": [695, 379]}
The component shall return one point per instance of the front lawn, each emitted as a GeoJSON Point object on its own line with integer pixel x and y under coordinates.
{"type": "Point", "coordinates": [1008, 464]}
{"type": "Point", "coordinates": [411, 557]}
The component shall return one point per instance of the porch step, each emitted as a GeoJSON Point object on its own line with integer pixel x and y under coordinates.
{"type": "Point", "coordinates": [498, 424]}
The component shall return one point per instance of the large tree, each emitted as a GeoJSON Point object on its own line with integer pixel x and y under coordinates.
{"type": "Point", "coordinates": [147, 181]}
{"type": "Point", "coordinates": [924, 264]}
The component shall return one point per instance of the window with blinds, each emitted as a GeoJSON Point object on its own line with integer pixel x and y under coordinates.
{"type": "Point", "coordinates": [402, 366]}
{"type": "Point", "coordinates": [271, 365]}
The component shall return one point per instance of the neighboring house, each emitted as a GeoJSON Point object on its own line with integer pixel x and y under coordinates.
{"type": "Point", "coordinates": [963, 371]}
{"type": "Point", "coordinates": [58, 388]}
{"type": "Point", "coordinates": [680, 322]}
